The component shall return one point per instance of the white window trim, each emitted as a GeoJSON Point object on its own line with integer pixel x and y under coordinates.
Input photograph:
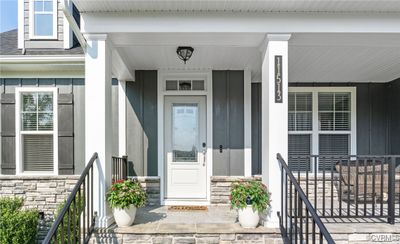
{"type": "Point", "coordinates": [32, 22]}
{"type": "Point", "coordinates": [315, 130]}
{"type": "Point", "coordinates": [18, 142]}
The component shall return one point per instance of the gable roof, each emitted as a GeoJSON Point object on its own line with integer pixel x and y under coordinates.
{"type": "Point", "coordinates": [9, 46]}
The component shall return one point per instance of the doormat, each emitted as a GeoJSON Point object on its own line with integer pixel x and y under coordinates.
{"type": "Point", "coordinates": [187, 208]}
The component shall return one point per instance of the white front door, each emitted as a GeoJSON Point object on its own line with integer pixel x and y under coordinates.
{"type": "Point", "coordinates": [185, 147]}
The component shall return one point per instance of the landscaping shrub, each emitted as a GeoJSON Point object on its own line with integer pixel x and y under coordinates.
{"type": "Point", "coordinates": [17, 226]}
{"type": "Point", "coordinates": [68, 233]}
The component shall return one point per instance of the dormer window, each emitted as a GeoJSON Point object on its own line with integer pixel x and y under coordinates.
{"type": "Point", "coordinates": [43, 19]}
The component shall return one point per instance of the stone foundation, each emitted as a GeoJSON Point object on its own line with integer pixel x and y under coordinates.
{"type": "Point", "coordinates": [221, 187]}
{"type": "Point", "coordinates": [44, 193]}
{"type": "Point", "coordinates": [258, 238]}
{"type": "Point", "coordinates": [151, 184]}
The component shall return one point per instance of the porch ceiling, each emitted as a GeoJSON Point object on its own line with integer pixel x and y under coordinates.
{"type": "Point", "coordinates": [312, 57]}
{"type": "Point", "coordinates": [375, 6]}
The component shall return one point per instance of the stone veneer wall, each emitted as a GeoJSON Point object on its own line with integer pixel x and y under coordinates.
{"type": "Point", "coordinates": [152, 186]}
{"type": "Point", "coordinates": [44, 193]}
{"type": "Point", "coordinates": [221, 187]}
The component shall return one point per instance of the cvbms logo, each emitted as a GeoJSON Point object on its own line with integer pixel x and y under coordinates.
{"type": "Point", "coordinates": [278, 79]}
{"type": "Point", "coordinates": [385, 238]}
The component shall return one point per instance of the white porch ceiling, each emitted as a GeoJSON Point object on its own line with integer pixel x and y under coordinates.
{"type": "Point", "coordinates": [312, 57]}
{"type": "Point", "coordinates": [373, 6]}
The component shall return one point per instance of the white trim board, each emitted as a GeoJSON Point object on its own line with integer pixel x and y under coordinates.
{"type": "Point", "coordinates": [18, 143]}
{"type": "Point", "coordinates": [161, 92]}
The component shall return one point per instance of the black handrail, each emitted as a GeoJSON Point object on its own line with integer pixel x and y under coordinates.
{"type": "Point", "coordinates": [291, 217]}
{"type": "Point", "coordinates": [79, 204]}
{"type": "Point", "coordinates": [350, 186]}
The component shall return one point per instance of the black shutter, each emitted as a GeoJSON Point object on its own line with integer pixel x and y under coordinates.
{"type": "Point", "coordinates": [65, 134]}
{"type": "Point", "coordinates": [8, 134]}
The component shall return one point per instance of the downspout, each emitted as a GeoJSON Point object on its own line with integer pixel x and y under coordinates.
{"type": "Point", "coordinates": [72, 23]}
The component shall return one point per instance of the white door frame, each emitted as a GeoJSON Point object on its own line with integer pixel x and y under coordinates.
{"type": "Point", "coordinates": [161, 93]}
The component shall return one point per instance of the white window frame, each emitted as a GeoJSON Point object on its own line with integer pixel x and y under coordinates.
{"type": "Point", "coordinates": [32, 21]}
{"type": "Point", "coordinates": [315, 128]}
{"type": "Point", "coordinates": [18, 134]}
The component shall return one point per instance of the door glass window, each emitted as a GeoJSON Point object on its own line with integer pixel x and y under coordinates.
{"type": "Point", "coordinates": [185, 132]}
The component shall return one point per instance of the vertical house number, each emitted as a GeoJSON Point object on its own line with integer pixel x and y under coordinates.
{"type": "Point", "coordinates": [278, 79]}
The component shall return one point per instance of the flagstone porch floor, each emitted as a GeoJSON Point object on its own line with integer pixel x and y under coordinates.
{"type": "Point", "coordinates": [157, 224]}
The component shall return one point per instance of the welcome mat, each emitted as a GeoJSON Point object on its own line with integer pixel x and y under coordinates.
{"type": "Point", "coordinates": [187, 208]}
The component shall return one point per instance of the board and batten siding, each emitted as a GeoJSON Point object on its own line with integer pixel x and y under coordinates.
{"type": "Point", "coordinates": [256, 128]}
{"type": "Point", "coordinates": [71, 118]}
{"type": "Point", "coordinates": [141, 124]}
{"type": "Point", "coordinates": [228, 123]}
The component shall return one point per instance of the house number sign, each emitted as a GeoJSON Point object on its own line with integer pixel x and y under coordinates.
{"type": "Point", "coordinates": [278, 79]}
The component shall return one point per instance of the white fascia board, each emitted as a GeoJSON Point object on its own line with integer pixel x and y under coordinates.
{"type": "Point", "coordinates": [40, 59]}
{"type": "Point", "coordinates": [243, 23]}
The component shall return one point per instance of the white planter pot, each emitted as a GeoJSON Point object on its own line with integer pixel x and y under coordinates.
{"type": "Point", "coordinates": [124, 217]}
{"type": "Point", "coordinates": [248, 218]}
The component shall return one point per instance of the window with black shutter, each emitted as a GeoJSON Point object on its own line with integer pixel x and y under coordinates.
{"type": "Point", "coordinates": [36, 140]}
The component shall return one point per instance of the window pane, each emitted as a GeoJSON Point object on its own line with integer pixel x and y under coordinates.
{"type": "Point", "coordinates": [185, 132]}
{"type": "Point", "coordinates": [185, 85]}
{"type": "Point", "coordinates": [37, 152]}
{"type": "Point", "coordinates": [48, 6]}
{"type": "Point", "coordinates": [45, 102]}
{"type": "Point", "coordinates": [303, 102]}
{"type": "Point", "coordinates": [303, 121]}
{"type": "Point", "coordinates": [38, 5]}
{"type": "Point", "coordinates": [292, 124]}
{"type": "Point", "coordinates": [299, 149]}
{"type": "Point", "coordinates": [342, 121]}
{"type": "Point", "coordinates": [300, 111]}
{"type": "Point", "coordinates": [332, 145]}
{"type": "Point", "coordinates": [325, 101]}
{"type": "Point", "coordinates": [171, 85]}
{"type": "Point", "coordinates": [198, 85]}
{"type": "Point", "coordinates": [326, 121]}
{"type": "Point", "coordinates": [45, 121]}
{"type": "Point", "coordinates": [291, 101]}
{"type": "Point", "coordinates": [29, 102]}
{"type": "Point", "coordinates": [29, 122]}
{"type": "Point", "coordinates": [342, 101]}
{"type": "Point", "coordinates": [43, 24]}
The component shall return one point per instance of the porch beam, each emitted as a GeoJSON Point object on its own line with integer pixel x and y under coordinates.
{"type": "Point", "coordinates": [98, 124]}
{"type": "Point", "coordinates": [274, 135]}
{"type": "Point", "coordinates": [120, 67]}
{"type": "Point", "coordinates": [225, 22]}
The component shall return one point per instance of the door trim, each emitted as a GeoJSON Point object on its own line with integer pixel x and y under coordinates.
{"type": "Point", "coordinates": [161, 93]}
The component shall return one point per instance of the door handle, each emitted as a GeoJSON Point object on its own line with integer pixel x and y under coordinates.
{"type": "Point", "coordinates": [204, 156]}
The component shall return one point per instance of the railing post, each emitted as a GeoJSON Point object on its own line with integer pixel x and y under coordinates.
{"type": "Point", "coordinates": [391, 191]}
{"type": "Point", "coordinates": [125, 167]}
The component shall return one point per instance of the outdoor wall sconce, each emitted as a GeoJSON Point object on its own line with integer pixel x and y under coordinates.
{"type": "Point", "coordinates": [184, 53]}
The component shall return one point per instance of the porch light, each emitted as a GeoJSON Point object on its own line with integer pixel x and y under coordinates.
{"type": "Point", "coordinates": [184, 53]}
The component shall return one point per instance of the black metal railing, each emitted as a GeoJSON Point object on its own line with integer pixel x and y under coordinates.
{"type": "Point", "coordinates": [76, 220]}
{"type": "Point", "coordinates": [119, 169]}
{"type": "Point", "coordinates": [299, 222]}
{"type": "Point", "coordinates": [350, 186]}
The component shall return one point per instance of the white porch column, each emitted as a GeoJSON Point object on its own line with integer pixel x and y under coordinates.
{"type": "Point", "coordinates": [98, 129]}
{"type": "Point", "coordinates": [274, 119]}
{"type": "Point", "coordinates": [122, 117]}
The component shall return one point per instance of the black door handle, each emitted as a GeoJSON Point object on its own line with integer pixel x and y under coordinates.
{"type": "Point", "coordinates": [220, 148]}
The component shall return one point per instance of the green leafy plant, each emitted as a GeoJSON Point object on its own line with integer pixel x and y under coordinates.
{"type": "Point", "coordinates": [252, 193]}
{"type": "Point", "coordinates": [17, 226]}
{"type": "Point", "coordinates": [125, 193]}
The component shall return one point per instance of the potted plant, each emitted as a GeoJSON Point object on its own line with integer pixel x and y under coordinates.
{"type": "Point", "coordinates": [250, 199]}
{"type": "Point", "coordinates": [124, 198]}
